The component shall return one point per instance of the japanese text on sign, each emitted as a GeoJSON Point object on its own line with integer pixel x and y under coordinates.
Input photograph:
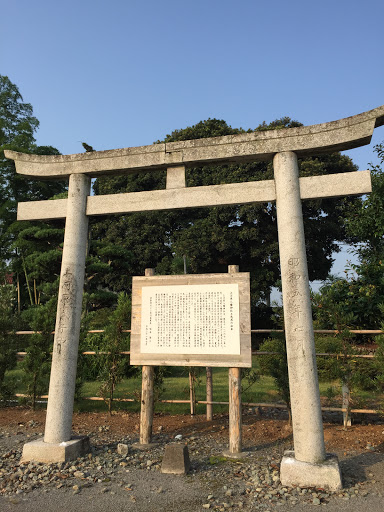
{"type": "Point", "coordinates": [190, 319]}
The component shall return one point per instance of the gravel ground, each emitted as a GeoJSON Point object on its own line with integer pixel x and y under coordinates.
{"type": "Point", "coordinates": [109, 479]}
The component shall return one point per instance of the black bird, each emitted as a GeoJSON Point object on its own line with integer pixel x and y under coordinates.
{"type": "Point", "coordinates": [87, 147]}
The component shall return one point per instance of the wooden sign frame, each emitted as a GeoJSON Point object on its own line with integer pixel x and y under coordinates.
{"type": "Point", "coordinates": [242, 360]}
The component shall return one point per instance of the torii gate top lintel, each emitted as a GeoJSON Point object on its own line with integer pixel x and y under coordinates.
{"type": "Point", "coordinates": [347, 133]}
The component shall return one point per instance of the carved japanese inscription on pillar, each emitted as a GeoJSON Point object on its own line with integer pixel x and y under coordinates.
{"type": "Point", "coordinates": [66, 302]}
{"type": "Point", "coordinates": [200, 320]}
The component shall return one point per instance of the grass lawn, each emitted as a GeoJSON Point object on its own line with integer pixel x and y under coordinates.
{"type": "Point", "coordinates": [175, 386]}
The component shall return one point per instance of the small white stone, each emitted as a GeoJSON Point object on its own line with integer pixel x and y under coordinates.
{"type": "Point", "coordinates": [122, 449]}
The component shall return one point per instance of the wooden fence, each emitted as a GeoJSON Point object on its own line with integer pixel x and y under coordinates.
{"type": "Point", "coordinates": [210, 403]}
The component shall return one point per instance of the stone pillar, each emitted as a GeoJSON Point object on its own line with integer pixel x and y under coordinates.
{"type": "Point", "coordinates": [305, 396]}
{"type": "Point", "coordinates": [57, 444]}
{"type": "Point", "coordinates": [307, 422]}
{"type": "Point", "coordinates": [64, 359]}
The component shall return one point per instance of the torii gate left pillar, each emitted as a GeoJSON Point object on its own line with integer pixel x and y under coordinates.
{"type": "Point", "coordinates": [308, 465]}
{"type": "Point", "coordinates": [58, 426]}
{"type": "Point", "coordinates": [58, 443]}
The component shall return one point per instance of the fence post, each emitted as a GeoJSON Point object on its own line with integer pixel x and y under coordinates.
{"type": "Point", "coordinates": [235, 420]}
{"type": "Point", "coordinates": [146, 416]}
{"type": "Point", "coordinates": [346, 405]}
{"type": "Point", "coordinates": [209, 387]}
{"type": "Point", "coordinates": [234, 391]}
{"type": "Point", "coordinates": [146, 410]}
{"type": "Point", "coordinates": [192, 391]}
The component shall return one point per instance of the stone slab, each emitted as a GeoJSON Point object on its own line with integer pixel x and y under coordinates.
{"type": "Point", "coordinates": [294, 472]}
{"type": "Point", "coordinates": [39, 451]}
{"type": "Point", "coordinates": [176, 459]}
{"type": "Point", "coordinates": [176, 177]}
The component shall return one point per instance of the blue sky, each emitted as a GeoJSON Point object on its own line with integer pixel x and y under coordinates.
{"type": "Point", "coordinates": [125, 73]}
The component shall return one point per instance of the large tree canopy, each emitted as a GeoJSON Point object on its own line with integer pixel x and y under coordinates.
{"type": "Point", "coordinates": [22, 241]}
{"type": "Point", "coordinates": [17, 123]}
{"type": "Point", "coordinates": [213, 238]}
{"type": "Point", "coordinates": [358, 299]}
{"type": "Point", "coordinates": [365, 218]}
{"type": "Point", "coordinates": [17, 128]}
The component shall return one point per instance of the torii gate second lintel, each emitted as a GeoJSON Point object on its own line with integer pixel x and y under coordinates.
{"type": "Point", "coordinates": [308, 465]}
{"type": "Point", "coordinates": [312, 187]}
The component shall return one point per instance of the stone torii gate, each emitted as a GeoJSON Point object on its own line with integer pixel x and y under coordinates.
{"type": "Point", "coordinates": [308, 464]}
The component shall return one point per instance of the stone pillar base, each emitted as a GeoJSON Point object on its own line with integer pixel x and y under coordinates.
{"type": "Point", "coordinates": [235, 455]}
{"type": "Point", "coordinates": [144, 447]}
{"type": "Point", "coordinates": [305, 474]}
{"type": "Point", "coordinates": [39, 451]}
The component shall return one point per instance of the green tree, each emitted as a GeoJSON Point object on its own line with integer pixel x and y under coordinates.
{"type": "Point", "coordinates": [360, 294]}
{"type": "Point", "coordinates": [17, 123]}
{"type": "Point", "coordinates": [356, 301]}
{"type": "Point", "coordinates": [39, 249]}
{"type": "Point", "coordinates": [37, 363]}
{"type": "Point", "coordinates": [17, 128]}
{"type": "Point", "coordinates": [365, 219]}
{"type": "Point", "coordinates": [379, 359]}
{"type": "Point", "coordinates": [275, 364]}
{"type": "Point", "coordinates": [8, 339]}
{"type": "Point", "coordinates": [113, 366]}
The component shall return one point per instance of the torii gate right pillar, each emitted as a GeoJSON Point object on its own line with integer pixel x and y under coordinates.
{"type": "Point", "coordinates": [308, 465]}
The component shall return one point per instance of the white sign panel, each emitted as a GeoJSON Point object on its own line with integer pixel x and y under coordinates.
{"type": "Point", "coordinates": [190, 319]}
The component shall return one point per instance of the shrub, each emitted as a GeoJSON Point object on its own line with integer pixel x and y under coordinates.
{"type": "Point", "coordinates": [7, 339]}
{"type": "Point", "coordinates": [276, 365]}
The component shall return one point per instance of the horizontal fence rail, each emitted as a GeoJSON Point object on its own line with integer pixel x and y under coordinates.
{"type": "Point", "coordinates": [253, 331]}
{"type": "Point", "coordinates": [374, 332]}
{"type": "Point", "coordinates": [21, 355]}
{"type": "Point", "coordinates": [205, 402]}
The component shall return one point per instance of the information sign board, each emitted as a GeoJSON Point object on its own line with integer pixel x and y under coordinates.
{"type": "Point", "coordinates": [194, 320]}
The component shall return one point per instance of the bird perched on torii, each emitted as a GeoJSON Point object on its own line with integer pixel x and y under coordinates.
{"type": "Point", "coordinates": [87, 147]}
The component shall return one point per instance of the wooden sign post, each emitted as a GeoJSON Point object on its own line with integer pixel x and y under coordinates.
{"type": "Point", "coordinates": [146, 406]}
{"type": "Point", "coordinates": [235, 408]}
